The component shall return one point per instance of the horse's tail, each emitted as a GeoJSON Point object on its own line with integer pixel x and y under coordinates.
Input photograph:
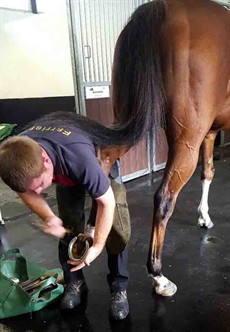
{"type": "Point", "coordinates": [137, 86]}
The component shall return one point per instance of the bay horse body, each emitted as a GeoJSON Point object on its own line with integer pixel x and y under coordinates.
{"type": "Point", "coordinates": [172, 68]}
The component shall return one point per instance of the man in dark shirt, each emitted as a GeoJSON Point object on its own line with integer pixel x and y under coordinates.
{"type": "Point", "coordinates": [63, 152]}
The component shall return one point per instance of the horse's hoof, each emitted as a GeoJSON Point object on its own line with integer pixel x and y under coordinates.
{"type": "Point", "coordinates": [205, 223]}
{"type": "Point", "coordinates": [164, 287]}
{"type": "Point", "coordinates": [210, 224]}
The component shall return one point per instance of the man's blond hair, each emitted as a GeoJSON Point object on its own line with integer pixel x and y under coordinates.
{"type": "Point", "coordinates": [20, 162]}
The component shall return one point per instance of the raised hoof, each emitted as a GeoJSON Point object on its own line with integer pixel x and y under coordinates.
{"type": "Point", "coordinates": [164, 287]}
{"type": "Point", "coordinates": [205, 223]}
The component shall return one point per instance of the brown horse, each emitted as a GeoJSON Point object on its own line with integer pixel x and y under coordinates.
{"type": "Point", "coordinates": [172, 67]}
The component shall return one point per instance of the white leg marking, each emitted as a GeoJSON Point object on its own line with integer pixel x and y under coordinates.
{"type": "Point", "coordinates": [204, 219]}
{"type": "Point", "coordinates": [1, 220]}
{"type": "Point", "coordinates": [163, 286]}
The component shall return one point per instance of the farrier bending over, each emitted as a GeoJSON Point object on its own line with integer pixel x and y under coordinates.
{"type": "Point", "coordinates": [57, 149]}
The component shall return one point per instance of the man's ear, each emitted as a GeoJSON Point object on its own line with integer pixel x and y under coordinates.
{"type": "Point", "coordinates": [46, 159]}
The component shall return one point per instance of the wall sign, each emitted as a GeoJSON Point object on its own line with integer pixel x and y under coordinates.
{"type": "Point", "coordinates": [95, 92]}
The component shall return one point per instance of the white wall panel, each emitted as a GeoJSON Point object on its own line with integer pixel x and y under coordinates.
{"type": "Point", "coordinates": [35, 54]}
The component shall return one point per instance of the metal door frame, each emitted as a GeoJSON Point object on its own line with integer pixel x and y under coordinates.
{"type": "Point", "coordinates": [75, 60]}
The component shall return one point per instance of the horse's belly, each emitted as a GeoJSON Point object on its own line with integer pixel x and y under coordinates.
{"type": "Point", "coordinates": [222, 121]}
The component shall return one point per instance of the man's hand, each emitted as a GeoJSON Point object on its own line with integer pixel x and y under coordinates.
{"type": "Point", "coordinates": [92, 254]}
{"type": "Point", "coordinates": [53, 226]}
{"type": "Point", "coordinates": [104, 221]}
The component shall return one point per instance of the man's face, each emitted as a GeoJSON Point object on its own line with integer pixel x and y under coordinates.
{"type": "Point", "coordinates": [43, 181]}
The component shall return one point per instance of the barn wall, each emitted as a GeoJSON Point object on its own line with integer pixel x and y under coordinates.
{"type": "Point", "coordinates": [36, 71]}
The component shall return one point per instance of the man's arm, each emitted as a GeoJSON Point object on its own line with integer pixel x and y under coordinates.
{"type": "Point", "coordinates": [104, 222]}
{"type": "Point", "coordinates": [51, 223]}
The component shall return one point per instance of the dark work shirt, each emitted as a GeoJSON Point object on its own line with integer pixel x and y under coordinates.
{"type": "Point", "coordinates": [73, 156]}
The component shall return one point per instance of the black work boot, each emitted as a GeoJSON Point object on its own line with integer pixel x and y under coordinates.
{"type": "Point", "coordinates": [73, 293]}
{"type": "Point", "coordinates": [119, 305]}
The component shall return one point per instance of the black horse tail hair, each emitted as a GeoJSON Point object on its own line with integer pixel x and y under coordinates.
{"type": "Point", "coordinates": [137, 87]}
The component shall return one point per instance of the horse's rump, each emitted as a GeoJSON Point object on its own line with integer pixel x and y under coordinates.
{"type": "Point", "coordinates": [172, 57]}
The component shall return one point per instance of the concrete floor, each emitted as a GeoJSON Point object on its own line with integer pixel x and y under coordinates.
{"type": "Point", "coordinates": [197, 260]}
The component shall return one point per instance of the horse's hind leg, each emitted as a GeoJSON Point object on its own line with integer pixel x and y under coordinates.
{"type": "Point", "coordinates": [182, 161]}
{"type": "Point", "coordinates": [207, 174]}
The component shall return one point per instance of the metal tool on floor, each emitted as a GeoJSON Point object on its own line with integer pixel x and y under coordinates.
{"type": "Point", "coordinates": [26, 286]}
{"type": "Point", "coordinates": [32, 285]}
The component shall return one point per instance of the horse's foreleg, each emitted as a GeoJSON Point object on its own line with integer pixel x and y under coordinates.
{"type": "Point", "coordinates": [179, 169]}
{"type": "Point", "coordinates": [207, 174]}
